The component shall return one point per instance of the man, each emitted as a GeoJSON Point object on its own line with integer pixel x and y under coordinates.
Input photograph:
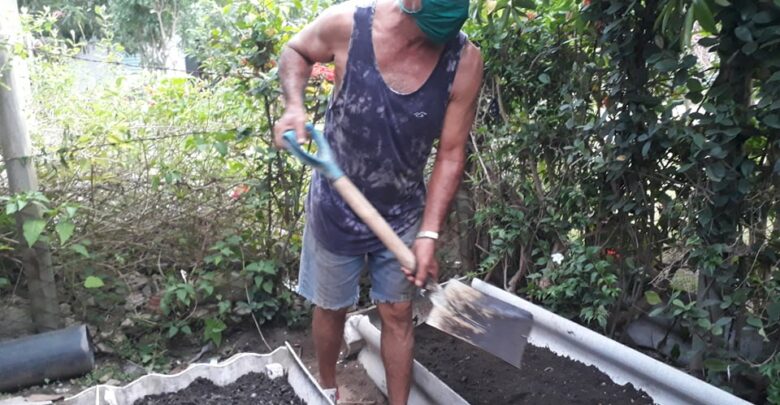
{"type": "Point", "coordinates": [405, 76]}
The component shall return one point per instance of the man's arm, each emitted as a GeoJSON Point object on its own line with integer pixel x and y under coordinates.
{"type": "Point", "coordinates": [450, 159]}
{"type": "Point", "coordinates": [317, 42]}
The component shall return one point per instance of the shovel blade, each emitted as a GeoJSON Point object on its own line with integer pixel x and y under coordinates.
{"type": "Point", "coordinates": [484, 321]}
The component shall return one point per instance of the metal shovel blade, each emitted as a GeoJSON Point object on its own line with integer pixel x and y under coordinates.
{"type": "Point", "coordinates": [484, 321]}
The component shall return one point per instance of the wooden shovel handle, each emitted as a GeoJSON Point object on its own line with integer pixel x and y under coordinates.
{"type": "Point", "coordinates": [374, 220]}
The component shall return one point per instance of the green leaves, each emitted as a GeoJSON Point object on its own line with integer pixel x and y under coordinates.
{"type": "Point", "coordinates": [213, 330]}
{"type": "Point", "coordinates": [64, 231]}
{"type": "Point", "coordinates": [703, 15]}
{"type": "Point", "coordinates": [80, 249]}
{"type": "Point", "coordinates": [652, 297]}
{"type": "Point", "coordinates": [743, 33]}
{"type": "Point", "coordinates": [93, 282]}
{"type": "Point", "coordinates": [32, 230]}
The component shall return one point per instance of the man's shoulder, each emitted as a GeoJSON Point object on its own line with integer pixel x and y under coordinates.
{"type": "Point", "coordinates": [339, 17]}
{"type": "Point", "coordinates": [470, 57]}
{"type": "Point", "coordinates": [346, 9]}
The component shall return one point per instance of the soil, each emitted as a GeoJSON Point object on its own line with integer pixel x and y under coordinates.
{"type": "Point", "coordinates": [545, 377]}
{"type": "Point", "coordinates": [252, 388]}
{"type": "Point", "coordinates": [355, 386]}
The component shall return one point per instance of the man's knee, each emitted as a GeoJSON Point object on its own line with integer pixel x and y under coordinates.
{"type": "Point", "coordinates": [396, 316]}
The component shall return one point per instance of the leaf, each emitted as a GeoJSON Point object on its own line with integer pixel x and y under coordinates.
{"type": "Point", "coordinates": [652, 297]}
{"type": "Point", "coordinates": [64, 230]}
{"type": "Point", "coordinates": [749, 48]}
{"type": "Point", "coordinates": [776, 170]}
{"type": "Point", "coordinates": [221, 147]}
{"type": "Point", "coordinates": [172, 331]}
{"type": "Point", "coordinates": [79, 248]}
{"type": "Point", "coordinates": [755, 322]}
{"type": "Point", "coordinates": [656, 312]}
{"type": "Point", "coordinates": [646, 148]}
{"type": "Point", "coordinates": [4, 282]}
{"type": "Point", "coordinates": [775, 77]}
{"type": "Point", "coordinates": [723, 3]}
{"type": "Point", "coordinates": [772, 121]}
{"type": "Point", "coordinates": [93, 282]}
{"type": "Point", "coordinates": [762, 17]}
{"type": "Point", "coordinates": [32, 230]}
{"type": "Point", "coordinates": [743, 33]}
{"type": "Point", "coordinates": [715, 365]}
{"type": "Point", "coordinates": [10, 208]}
{"type": "Point", "coordinates": [544, 78]}
{"type": "Point", "coordinates": [716, 171]}
{"type": "Point", "coordinates": [71, 211]}
{"type": "Point", "coordinates": [268, 286]}
{"type": "Point", "coordinates": [704, 16]}
{"type": "Point", "coordinates": [773, 311]}
{"type": "Point", "coordinates": [666, 65]}
{"type": "Point", "coordinates": [687, 28]}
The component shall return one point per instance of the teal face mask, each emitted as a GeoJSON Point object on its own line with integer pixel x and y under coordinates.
{"type": "Point", "coordinates": [439, 20]}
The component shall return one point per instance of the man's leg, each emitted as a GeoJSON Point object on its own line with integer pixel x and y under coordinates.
{"type": "Point", "coordinates": [397, 348]}
{"type": "Point", "coordinates": [328, 330]}
{"type": "Point", "coordinates": [330, 282]}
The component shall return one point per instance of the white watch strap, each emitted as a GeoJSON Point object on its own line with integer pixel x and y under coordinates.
{"type": "Point", "coordinates": [428, 234]}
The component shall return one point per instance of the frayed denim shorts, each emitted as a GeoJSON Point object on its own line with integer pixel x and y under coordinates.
{"type": "Point", "coordinates": [332, 281]}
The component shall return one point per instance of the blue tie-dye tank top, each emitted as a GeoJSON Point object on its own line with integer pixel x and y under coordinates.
{"type": "Point", "coordinates": [382, 140]}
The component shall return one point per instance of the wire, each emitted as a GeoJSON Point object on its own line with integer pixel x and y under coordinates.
{"type": "Point", "coordinates": [108, 62]}
{"type": "Point", "coordinates": [65, 150]}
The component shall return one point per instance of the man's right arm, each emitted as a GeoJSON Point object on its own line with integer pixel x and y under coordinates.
{"type": "Point", "coordinates": [317, 42]}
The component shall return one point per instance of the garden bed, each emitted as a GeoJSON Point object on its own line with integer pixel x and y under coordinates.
{"type": "Point", "coordinates": [253, 388]}
{"type": "Point", "coordinates": [545, 378]}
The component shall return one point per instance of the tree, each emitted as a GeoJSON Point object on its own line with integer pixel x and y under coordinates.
{"type": "Point", "coordinates": [17, 151]}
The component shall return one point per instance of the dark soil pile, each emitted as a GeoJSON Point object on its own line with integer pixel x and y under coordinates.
{"type": "Point", "coordinates": [254, 388]}
{"type": "Point", "coordinates": [545, 378]}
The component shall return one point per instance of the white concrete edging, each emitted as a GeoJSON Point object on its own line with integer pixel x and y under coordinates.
{"type": "Point", "coordinates": [665, 384]}
{"type": "Point", "coordinates": [427, 389]}
{"type": "Point", "coordinates": [222, 373]}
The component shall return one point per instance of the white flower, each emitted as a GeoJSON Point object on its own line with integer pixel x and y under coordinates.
{"type": "Point", "coordinates": [557, 258]}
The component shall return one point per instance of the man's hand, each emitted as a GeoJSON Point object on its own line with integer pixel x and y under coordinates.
{"type": "Point", "coordinates": [424, 250]}
{"type": "Point", "coordinates": [294, 118]}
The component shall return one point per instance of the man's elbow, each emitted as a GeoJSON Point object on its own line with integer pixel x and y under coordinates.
{"type": "Point", "coordinates": [291, 52]}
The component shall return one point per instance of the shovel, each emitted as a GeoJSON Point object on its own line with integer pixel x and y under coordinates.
{"type": "Point", "coordinates": [484, 321]}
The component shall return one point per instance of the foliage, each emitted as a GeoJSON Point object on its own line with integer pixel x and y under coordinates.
{"type": "Point", "coordinates": [78, 20]}
{"type": "Point", "coordinates": [653, 144]}
{"type": "Point", "coordinates": [582, 280]}
{"type": "Point", "coordinates": [187, 219]}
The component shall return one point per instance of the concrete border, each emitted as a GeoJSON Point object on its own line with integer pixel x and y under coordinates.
{"type": "Point", "coordinates": [221, 373]}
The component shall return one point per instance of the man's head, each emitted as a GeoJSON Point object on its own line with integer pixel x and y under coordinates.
{"type": "Point", "coordinates": [439, 20]}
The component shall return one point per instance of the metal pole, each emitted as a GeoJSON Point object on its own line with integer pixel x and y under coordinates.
{"type": "Point", "coordinates": [17, 156]}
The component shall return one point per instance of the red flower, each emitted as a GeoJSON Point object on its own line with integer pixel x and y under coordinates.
{"type": "Point", "coordinates": [238, 190]}
{"type": "Point", "coordinates": [612, 252]}
{"type": "Point", "coordinates": [323, 72]}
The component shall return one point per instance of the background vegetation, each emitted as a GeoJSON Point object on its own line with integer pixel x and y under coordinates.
{"type": "Point", "coordinates": [623, 171]}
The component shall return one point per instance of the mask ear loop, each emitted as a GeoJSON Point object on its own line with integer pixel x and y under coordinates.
{"type": "Point", "coordinates": [406, 10]}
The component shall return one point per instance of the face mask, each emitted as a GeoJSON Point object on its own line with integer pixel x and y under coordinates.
{"type": "Point", "coordinates": [439, 20]}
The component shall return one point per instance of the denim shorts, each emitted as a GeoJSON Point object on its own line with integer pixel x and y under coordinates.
{"type": "Point", "coordinates": [332, 281]}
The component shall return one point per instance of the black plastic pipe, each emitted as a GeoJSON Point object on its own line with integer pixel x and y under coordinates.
{"type": "Point", "coordinates": [55, 355]}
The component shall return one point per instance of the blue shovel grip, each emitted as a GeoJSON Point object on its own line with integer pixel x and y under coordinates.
{"type": "Point", "coordinates": [322, 161]}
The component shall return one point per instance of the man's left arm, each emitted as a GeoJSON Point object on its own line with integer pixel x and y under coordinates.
{"type": "Point", "coordinates": [450, 160]}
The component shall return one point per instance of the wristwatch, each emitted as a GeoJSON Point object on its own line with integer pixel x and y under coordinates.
{"type": "Point", "coordinates": [428, 234]}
